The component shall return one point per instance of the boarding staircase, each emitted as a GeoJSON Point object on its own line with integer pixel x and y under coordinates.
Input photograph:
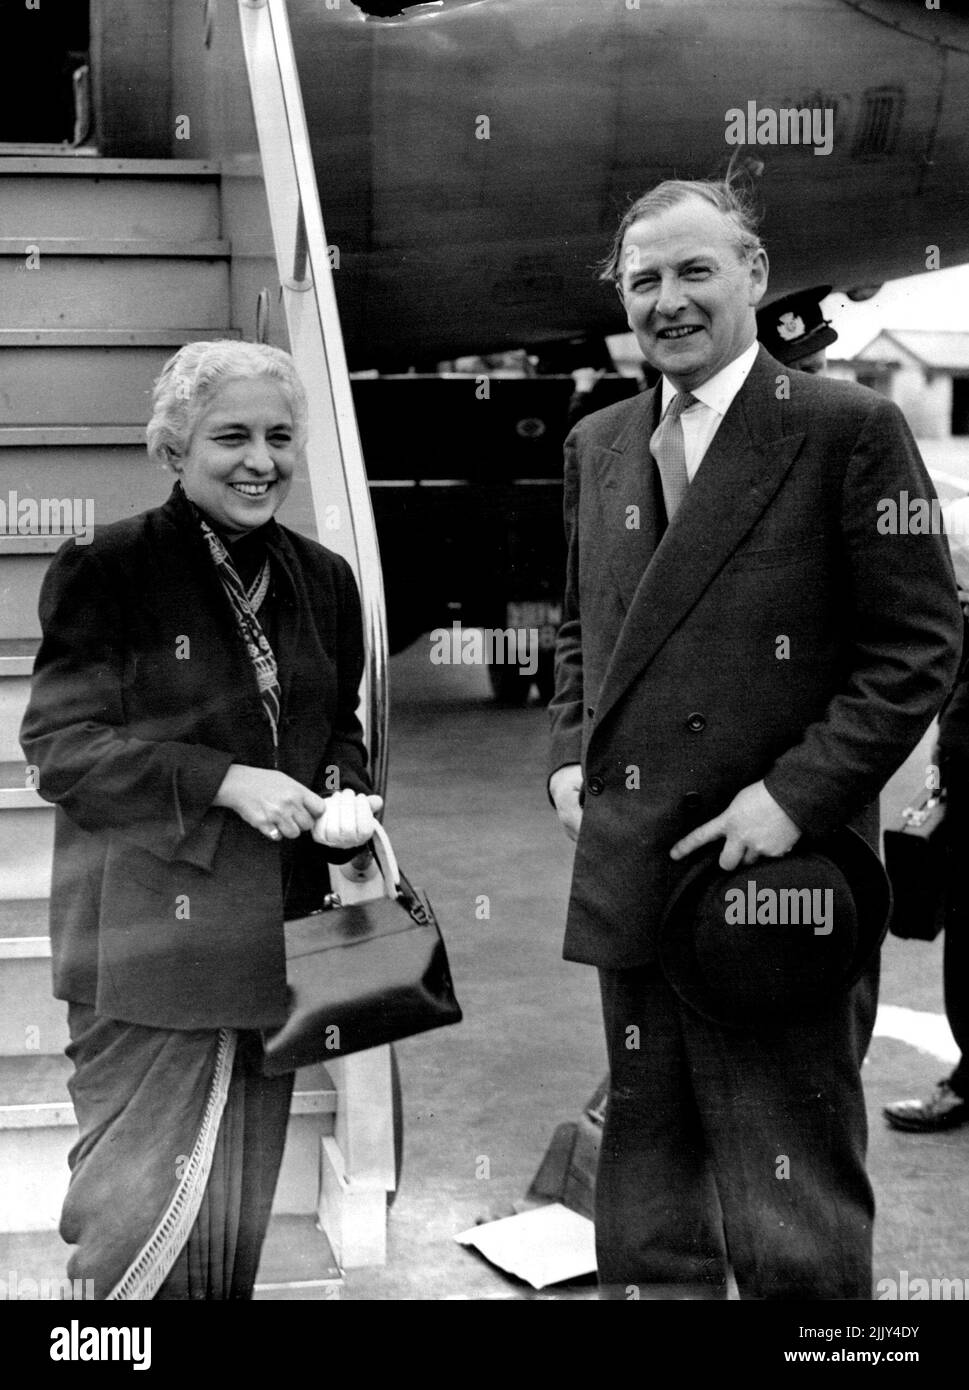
{"type": "Point", "coordinates": [108, 266]}
{"type": "Point", "coordinates": [130, 264]}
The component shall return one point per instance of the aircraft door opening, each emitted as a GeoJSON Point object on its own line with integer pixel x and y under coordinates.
{"type": "Point", "coordinates": [48, 109]}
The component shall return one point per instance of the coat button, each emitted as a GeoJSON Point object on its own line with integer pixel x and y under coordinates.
{"type": "Point", "coordinates": [696, 723]}
{"type": "Point", "coordinates": [692, 801]}
{"type": "Point", "coordinates": [596, 786]}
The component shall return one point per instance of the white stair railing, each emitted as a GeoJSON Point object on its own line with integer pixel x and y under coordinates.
{"type": "Point", "coordinates": [316, 340]}
{"type": "Point", "coordinates": [358, 1167]}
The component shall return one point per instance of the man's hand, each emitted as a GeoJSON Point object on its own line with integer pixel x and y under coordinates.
{"type": "Point", "coordinates": [753, 827]}
{"type": "Point", "coordinates": [347, 820]}
{"type": "Point", "coordinates": [269, 801]}
{"type": "Point", "coordinates": [564, 786]}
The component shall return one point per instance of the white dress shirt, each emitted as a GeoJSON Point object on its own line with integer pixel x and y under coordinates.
{"type": "Point", "coordinates": [701, 422]}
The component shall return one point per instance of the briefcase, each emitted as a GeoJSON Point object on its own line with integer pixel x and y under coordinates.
{"type": "Point", "coordinates": [567, 1173]}
{"type": "Point", "coordinates": [915, 861]}
{"type": "Point", "coordinates": [362, 975]}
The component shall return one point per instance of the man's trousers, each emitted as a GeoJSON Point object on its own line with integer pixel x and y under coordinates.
{"type": "Point", "coordinates": [733, 1148]}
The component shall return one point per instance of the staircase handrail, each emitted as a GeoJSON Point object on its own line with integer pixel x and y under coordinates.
{"type": "Point", "coordinates": [316, 341]}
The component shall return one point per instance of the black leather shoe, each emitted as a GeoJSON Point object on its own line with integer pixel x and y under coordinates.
{"type": "Point", "coordinates": [944, 1109]}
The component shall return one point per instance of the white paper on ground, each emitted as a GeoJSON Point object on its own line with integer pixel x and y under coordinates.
{"type": "Point", "coordinates": [546, 1245]}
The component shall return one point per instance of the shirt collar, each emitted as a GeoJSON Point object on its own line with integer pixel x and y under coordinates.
{"type": "Point", "coordinates": [718, 393]}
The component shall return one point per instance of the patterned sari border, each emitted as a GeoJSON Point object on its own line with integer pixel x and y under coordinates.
{"type": "Point", "coordinates": [153, 1263]}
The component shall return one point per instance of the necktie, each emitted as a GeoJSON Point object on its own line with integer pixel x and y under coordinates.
{"type": "Point", "coordinates": [669, 451]}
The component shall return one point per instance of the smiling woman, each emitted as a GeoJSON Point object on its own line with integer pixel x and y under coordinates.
{"type": "Point", "coordinates": [239, 464]}
{"type": "Point", "coordinates": [193, 718]}
{"type": "Point", "coordinates": [230, 419]}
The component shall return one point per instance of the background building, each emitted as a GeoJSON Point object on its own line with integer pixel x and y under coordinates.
{"type": "Point", "coordinates": [926, 373]}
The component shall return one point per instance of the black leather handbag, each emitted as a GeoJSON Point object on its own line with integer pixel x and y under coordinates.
{"type": "Point", "coordinates": [915, 861]}
{"type": "Point", "coordinates": [362, 975]}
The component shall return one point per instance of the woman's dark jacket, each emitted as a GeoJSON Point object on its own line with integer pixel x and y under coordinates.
{"type": "Point", "coordinates": [954, 719]}
{"type": "Point", "coordinates": [165, 910]}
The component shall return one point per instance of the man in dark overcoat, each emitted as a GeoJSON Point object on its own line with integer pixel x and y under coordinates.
{"type": "Point", "coordinates": [746, 656]}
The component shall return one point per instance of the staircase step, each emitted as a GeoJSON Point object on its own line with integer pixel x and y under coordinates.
{"type": "Point", "coordinates": [16, 665]}
{"type": "Point", "coordinates": [46, 246]}
{"type": "Point", "coordinates": [32, 1022]}
{"type": "Point", "coordinates": [14, 694]}
{"type": "Point", "coordinates": [109, 206]}
{"type": "Point", "coordinates": [40, 1257]}
{"type": "Point", "coordinates": [33, 1091]}
{"type": "Point", "coordinates": [36, 149]}
{"type": "Point", "coordinates": [67, 436]}
{"type": "Point", "coordinates": [111, 481]}
{"type": "Point", "coordinates": [28, 543]}
{"type": "Point", "coordinates": [78, 385]}
{"type": "Point", "coordinates": [37, 1130]}
{"type": "Point", "coordinates": [26, 845]}
{"type": "Point", "coordinates": [23, 573]}
{"type": "Point", "coordinates": [17, 656]}
{"type": "Point", "coordinates": [111, 337]}
{"type": "Point", "coordinates": [19, 795]}
{"type": "Point", "coordinates": [297, 1262]}
{"type": "Point", "coordinates": [13, 773]}
{"type": "Point", "coordinates": [75, 291]}
{"type": "Point", "coordinates": [23, 917]}
{"type": "Point", "coordinates": [102, 167]}
{"type": "Point", "coordinates": [24, 948]}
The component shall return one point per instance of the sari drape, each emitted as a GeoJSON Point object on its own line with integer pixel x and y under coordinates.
{"type": "Point", "coordinates": [179, 1149]}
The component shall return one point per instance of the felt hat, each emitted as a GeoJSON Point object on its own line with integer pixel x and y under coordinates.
{"type": "Point", "coordinates": [777, 940]}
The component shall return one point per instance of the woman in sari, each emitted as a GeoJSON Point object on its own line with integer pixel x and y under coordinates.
{"type": "Point", "coordinates": [193, 720]}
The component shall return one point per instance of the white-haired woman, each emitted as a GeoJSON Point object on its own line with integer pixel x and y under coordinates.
{"type": "Point", "coordinates": [192, 717]}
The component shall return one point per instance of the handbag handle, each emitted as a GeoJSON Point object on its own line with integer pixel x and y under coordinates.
{"type": "Point", "coordinates": [386, 861]}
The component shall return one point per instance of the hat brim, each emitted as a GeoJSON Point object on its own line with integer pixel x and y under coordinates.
{"type": "Point", "coordinates": [677, 956]}
{"type": "Point", "coordinates": [791, 353]}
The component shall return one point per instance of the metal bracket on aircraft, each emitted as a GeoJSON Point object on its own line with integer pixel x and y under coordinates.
{"type": "Point", "coordinates": [301, 280]}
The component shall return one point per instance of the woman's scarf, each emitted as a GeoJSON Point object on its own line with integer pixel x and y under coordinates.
{"type": "Point", "coordinates": [245, 605]}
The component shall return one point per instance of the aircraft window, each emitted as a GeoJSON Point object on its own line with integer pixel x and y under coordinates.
{"type": "Point", "coordinates": [878, 125]}
{"type": "Point", "coordinates": [381, 9]}
{"type": "Point", "coordinates": [408, 9]}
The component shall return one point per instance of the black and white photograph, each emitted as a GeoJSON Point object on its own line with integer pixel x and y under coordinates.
{"type": "Point", "coordinates": [484, 727]}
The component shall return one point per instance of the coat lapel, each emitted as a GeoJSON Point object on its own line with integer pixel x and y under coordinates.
{"type": "Point", "coordinates": [633, 516]}
{"type": "Point", "coordinates": [742, 470]}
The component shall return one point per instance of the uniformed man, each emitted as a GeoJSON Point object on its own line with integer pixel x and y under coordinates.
{"type": "Point", "coordinates": [794, 330]}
